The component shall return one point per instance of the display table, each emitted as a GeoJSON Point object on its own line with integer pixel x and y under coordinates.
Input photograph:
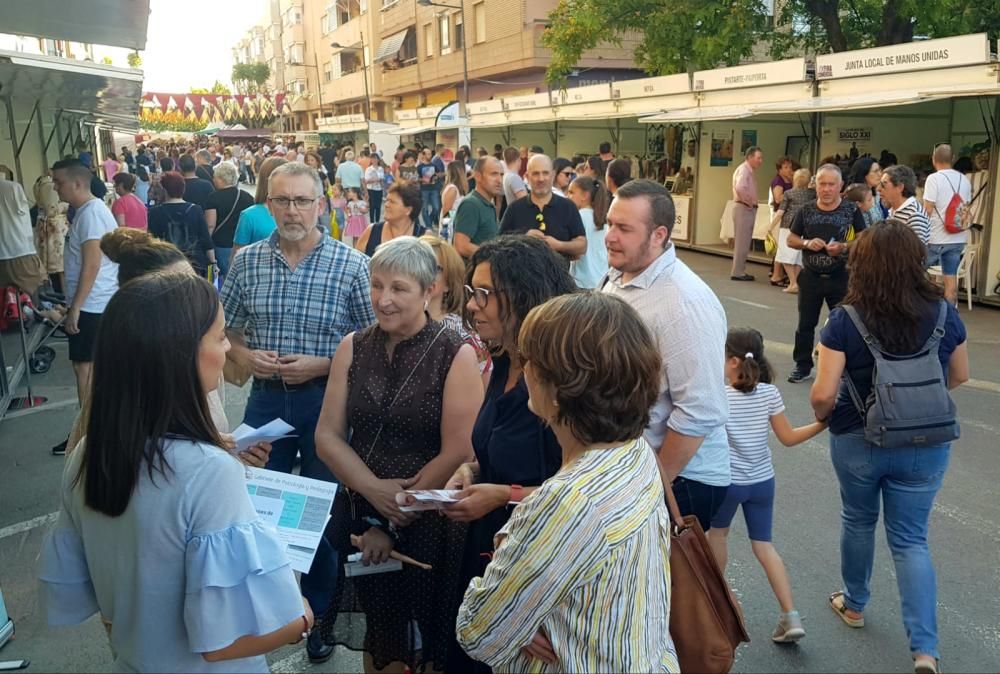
{"type": "Point", "coordinates": [760, 227]}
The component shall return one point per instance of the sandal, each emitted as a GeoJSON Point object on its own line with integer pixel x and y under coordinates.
{"type": "Point", "coordinates": [925, 665]}
{"type": "Point", "coordinates": [840, 608]}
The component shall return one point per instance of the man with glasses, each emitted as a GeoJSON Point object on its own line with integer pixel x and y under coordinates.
{"type": "Point", "coordinates": [822, 231]}
{"type": "Point", "coordinates": [289, 301]}
{"type": "Point", "coordinates": [564, 175]}
{"type": "Point", "coordinates": [545, 215]}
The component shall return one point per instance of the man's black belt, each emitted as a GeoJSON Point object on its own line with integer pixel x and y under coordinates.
{"type": "Point", "coordinates": [280, 385]}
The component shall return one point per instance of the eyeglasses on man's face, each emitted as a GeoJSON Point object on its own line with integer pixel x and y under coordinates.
{"type": "Point", "coordinates": [301, 203]}
{"type": "Point", "coordinates": [480, 295]}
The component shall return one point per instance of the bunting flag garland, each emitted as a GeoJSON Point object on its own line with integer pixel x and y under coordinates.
{"type": "Point", "coordinates": [208, 108]}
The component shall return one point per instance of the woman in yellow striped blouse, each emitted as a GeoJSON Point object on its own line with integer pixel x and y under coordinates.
{"type": "Point", "coordinates": [580, 581]}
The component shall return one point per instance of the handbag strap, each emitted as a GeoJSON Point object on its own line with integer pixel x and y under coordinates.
{"type": "Point", "coordinates": [675, 511]}
{"type": "Point", "coordinates": [399, 391]}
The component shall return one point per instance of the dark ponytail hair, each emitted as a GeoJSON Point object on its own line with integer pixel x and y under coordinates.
{"type": "Point", "coordinates": [600, 198]}
{"type": "Point", "coordinates": [747, 344]}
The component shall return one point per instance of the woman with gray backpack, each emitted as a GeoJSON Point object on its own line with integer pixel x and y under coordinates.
{"type": "Point", "coordinates": [887, 358]}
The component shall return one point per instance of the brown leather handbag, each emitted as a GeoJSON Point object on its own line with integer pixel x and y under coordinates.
{"type": "Point", "coordinates": [706, 622]}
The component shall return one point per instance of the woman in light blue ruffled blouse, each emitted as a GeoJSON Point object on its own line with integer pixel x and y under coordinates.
{"type": "Point", "coordinates": [157, 532]}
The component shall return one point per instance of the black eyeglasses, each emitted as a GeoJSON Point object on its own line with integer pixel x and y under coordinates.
{"type": "Point", "coordinates": [480, 295]}
{"type": "Point", "coordinates": [301, 203]}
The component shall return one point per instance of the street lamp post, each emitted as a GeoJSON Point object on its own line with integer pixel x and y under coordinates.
{"type": "Point", "coordinates": [364, 71]}
{"type": "Point", "coordinates": [464, 107]}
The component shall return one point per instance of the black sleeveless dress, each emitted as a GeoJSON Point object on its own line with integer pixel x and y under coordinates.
{"type": "Point", "coordinates": [375, 237]}
{"type": "Point", "coordinates": [400, 615]}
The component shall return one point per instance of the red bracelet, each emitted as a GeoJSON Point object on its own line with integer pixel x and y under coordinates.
{"type": "Point", "coordinates": [305, 629]}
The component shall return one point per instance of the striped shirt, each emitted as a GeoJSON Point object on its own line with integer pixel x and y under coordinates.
{"type": "Point", "coordinates": [586, 558]}
{"type": "Point", "coordinates": [749, 428]}
{"type": "Point", "coordinates": [306, 310]}
{"type": "Point", "coordinates": [913, 214]}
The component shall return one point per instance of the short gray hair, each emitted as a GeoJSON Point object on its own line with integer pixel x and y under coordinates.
{"type": "Point", "coordinates": [226, 173]}
{"type": "Point", "coordinates": [349, 155]}
{"type": "Point", "coordinates": [902, 176]}
{"type": "Point", "coordinates": [205, 155]}
{"type": "Point", "coordinates": [830, 168]}
{"type": "Point", "coordinates": [409, 256]}
{"type": "Point", "coordinates": [294, 169]}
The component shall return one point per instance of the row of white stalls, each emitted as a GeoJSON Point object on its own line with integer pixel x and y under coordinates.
{"type": "Point", "coordinates": [51, 108]}
{"type": "Point", "coordinates": [690, 131]}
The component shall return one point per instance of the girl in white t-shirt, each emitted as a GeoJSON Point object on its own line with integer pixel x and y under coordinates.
{"type": "Point", "coordinates": [755, 407]}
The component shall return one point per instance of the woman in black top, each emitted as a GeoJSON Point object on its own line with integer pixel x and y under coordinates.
{"type": "Point", "coordinates": [515, 451]}
{"type": "Point", "coordinates": [402, 218]}
{"type": "Point", "coordinates": [182, 224]}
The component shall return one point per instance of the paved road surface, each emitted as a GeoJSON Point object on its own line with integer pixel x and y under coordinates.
{"type": "Point", "coordinates": [965, 531]}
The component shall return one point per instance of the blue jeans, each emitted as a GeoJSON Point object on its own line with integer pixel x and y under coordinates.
{"type": "Point", "coordinates": [300, 408]}
{"type": "Point", "coordinates": [948, 255]}
{"type": "Point", "coordinates": [222, 256]}
{"type": "Point", "coordinates": [432, 207]}
{"type": "Point", "coordinates": [907, 479]}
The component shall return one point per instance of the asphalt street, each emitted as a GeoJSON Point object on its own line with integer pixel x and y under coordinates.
{"type": "Point", "coordinates": [965, 530]}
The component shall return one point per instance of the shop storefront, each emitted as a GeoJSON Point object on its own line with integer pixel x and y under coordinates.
{"type": "Point", "coordinates": [691, 133]}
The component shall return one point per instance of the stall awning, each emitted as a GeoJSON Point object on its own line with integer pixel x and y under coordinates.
{"type": "Point", "coordinates": [115, 23]}
{"type": "Point", "coordinates": [101, 94]}
{"type": "Point", "coordinates": [701, 114]}
{"type": "Point", "coordinates": [389, 49]}
{"type": "Point", "coordinates": [413, 130]}
{"type": "Point", "coordinates": [961, 90]}
{"type": "Point", "coordinates": [875, 99]}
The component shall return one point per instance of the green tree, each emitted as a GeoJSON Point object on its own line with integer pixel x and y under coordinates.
{"type": "Point", "coordinates": [134, 60]}
{"type": "Point", "coordinates": [106, 60]}
{"type": "Point", "coordinates": [681, 35]}
{"type": "Point", "coordinates": [251, 78]}
{"type": "Point", "coordinates": [199, 90]}
{"type": "Point", "coordinates": [220, 88]}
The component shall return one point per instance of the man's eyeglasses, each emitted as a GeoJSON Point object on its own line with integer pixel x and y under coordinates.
{"type": "Point", "coordinates": [301, 203]}
{"type": "Point", "coordinates": [480, 295]}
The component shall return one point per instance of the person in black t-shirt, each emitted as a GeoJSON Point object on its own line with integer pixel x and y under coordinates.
{"type": "Point", "coordinates": [222, 212]}
{"type": "Point", "coordinates": [196, 190]}
{"type": "Point", "coordinates": [545, 215]}
{"type": "Point", "coordinates": [823, 232]}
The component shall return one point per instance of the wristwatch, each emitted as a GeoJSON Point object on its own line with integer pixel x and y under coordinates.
{"type": "Point", "coordinates": [516, 493]}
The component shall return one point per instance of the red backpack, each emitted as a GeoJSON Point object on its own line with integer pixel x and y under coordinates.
{"type": "Point", "coordinates": [958, 214]}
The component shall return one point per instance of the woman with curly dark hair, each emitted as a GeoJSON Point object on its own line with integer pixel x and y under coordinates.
{"type": "Point", "coordinates": [515, 450]}
{"type": "Point", "coordinates": [905, 313]}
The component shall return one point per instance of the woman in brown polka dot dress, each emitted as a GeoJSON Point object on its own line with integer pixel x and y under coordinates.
{"type": "Point", "coordinates": [398, 414]}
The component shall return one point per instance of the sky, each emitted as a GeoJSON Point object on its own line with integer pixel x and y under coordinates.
{"type": "Point", "coordinates": [189, 42]}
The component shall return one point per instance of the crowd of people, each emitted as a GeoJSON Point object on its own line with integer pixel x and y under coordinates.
{"type": "Point", "coordinates": [513, 327]}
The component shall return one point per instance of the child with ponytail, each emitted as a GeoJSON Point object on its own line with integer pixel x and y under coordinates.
{"type": "Point", "coordinates": [592, 198]}
{"type": "Point", "coordinates": [755, 407]}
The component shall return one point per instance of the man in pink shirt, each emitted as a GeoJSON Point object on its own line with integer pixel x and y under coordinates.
{"type": "Point", "coordinates": [744, 211]}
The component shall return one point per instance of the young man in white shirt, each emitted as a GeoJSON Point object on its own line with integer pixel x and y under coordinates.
{"type": "Point", "coordinates": [945, 248]}
{"type": "Point", "coordinates": [91, 278]}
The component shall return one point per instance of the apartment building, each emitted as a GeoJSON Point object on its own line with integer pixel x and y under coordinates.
{"type": "Point", "coordinates": [421, 57]}
{"type": "Point", "coordinates": [403, 55]}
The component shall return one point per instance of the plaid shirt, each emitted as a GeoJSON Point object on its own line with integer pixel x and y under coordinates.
{"type": "Point", "coordinates": [306, 310]}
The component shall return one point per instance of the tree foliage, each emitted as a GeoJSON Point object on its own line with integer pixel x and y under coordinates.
{"type": "Point", "coordinates": [251, 78]}
{"type": "Point", "coordinates": [134, 60]}
{"type": "Point", "coordinates": [682, 35]}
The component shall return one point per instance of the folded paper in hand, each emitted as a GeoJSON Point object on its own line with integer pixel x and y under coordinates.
{"type": "Point", "coordinates": [247, 436]}
{"type": "Point", "coordinates": [427, 499]}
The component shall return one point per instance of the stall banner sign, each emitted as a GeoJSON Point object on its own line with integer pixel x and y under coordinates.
{"type": "Point", "coordinates": [486, 107]}
{"type": "Point", "coordinates": [682, 212]}
{"type": "Point", "coordinates": [860, 135]}
{"type": "Point", "coordinates": [408, 114]}
{"type": "Point", "coordinates": [589, 94]}
{"type": "Point", "coordinates": [527, 102]}
{"type": "Point", "coordinates": [946, 52]}
{"type": "Point", "coordinates": [431, 112]}
{"type": "Point", "coordinates": [651, 86]}
{"type": "Point", "coordinates": [752, 75]}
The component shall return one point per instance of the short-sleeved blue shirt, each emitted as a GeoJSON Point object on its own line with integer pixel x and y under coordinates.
{"type": "Point", "coordinates": [840, 334]}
